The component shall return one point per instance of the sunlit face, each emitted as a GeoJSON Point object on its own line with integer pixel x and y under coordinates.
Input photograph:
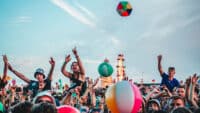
{"type": "Point", "coordinates": [171, 73]}
{"type": "Point", "coordinates": [181, 92]}
{"type": "Point", "coordinates": [96, 112]}
{"type": "Point", "coordinates": [75, 67]}
{"type": "Point", "coordinates": [177, 103]}
{"type": "Point", "coordinates": [39, 77]}
{"type": "Point", "coordinates": [153, 106]}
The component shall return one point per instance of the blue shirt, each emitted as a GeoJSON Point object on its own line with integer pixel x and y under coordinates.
{"type": "Point", "coordinates": [170, 84]}
{"type": "Point", "coordinates": [34, 86]}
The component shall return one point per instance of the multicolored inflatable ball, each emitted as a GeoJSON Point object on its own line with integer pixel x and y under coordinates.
{"type": "Point", "coordinates": [124, 8]}
{"type": "Point", "coordinates": [105, 69]}
{"type": "Point", "coordinates": [123, 97]}
{"type": "Point", "coordinates": [67, 109]}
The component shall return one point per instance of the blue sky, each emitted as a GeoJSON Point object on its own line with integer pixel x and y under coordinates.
{"type": "Point", "coordinates": [33, 30]}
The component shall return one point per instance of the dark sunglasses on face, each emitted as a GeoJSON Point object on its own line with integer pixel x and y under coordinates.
{"type": "Point", "coordinates": [175, 104]}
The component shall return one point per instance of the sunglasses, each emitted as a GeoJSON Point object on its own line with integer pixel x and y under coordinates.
{"type": "Point", "coordinates": [175, 104]}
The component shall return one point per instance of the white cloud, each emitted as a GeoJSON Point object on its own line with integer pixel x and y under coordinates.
{"type": "Point", "coordinates": [90, 61]}
{"type": "Point", "coordinates": [82, 17]}
{"type": "Point", "coordinates": [189, 21]}
{"type": "Point", "coordinates": [74, 13]}
{"type": "Point", "coordinates": [23, 19]}
{"type": "Point", "coordinates": [86, 11]}
{"type": "Point", "coordinates": [167, 23]}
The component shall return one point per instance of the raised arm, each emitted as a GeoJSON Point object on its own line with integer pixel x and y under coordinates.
{"type": "Point", "coordinates": [5, 68]}
{"type": "Point", "coordinates": [64, 72]}
{"type": "Point", "coordinates": [187, 87]}
{"type": "Point", "coordinates": [151, 93]}
{"type": "Point", "coordinates": [82, 70]}
{"type": "Point", "coordinates": [159, 65]}
{"type": "Point", "coordinates": [18, 74]}
{"type": "Point", "coordinates": [93, 98]}
{"type": "Point", "coordinates": [66, 99]}
{"type": "Point", "coordinates": [52, 62]}
{"type": "Point", "coordinates": [192, 90]}
{"type": "Point", "coordinates": [95, 83]}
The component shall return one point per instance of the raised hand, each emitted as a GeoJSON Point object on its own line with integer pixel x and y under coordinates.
{"type": "Point", "coordinates": [52, 62]}
{"type": "Point", "coordinates": [194, 79]}
{"type": "Point", "coordinates": [68, 58]}
{"type": "Point", "coordinates": [159, 57]}
{"type": "Point", "coordinates": [5, 68]}
{"type": "Point", "coordinates": [165, 89]}
{"type": "Point", "coordinates": [5, 59]}
{"type": "Point", "coordinates": [82, 70]}
{"type": "Point", "coordinates": [90, 83]}
{"type": "Point", "coordinates": [74, 51]}
{"type": "Point", "coordinates": [188, 81]}
{"type": "Point", "coordinates": [155, 90]}
{"type": "Point", "coordinates": [97, 79]}
{"type": "Point", "coordinates": [160, 69]}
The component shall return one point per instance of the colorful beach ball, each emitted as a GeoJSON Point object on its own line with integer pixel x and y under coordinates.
{"type": "Point", "coordinates": [67, 109]}
{"type": "Point", "coordinates": [124, 8]}
{"type": "Point", "coordinates": [123, 97]}
{"type": "Point", "coordinates": [105, 69]}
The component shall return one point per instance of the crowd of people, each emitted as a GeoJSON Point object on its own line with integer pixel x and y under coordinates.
{"type": "Point", "coordinates": [40, 96]}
